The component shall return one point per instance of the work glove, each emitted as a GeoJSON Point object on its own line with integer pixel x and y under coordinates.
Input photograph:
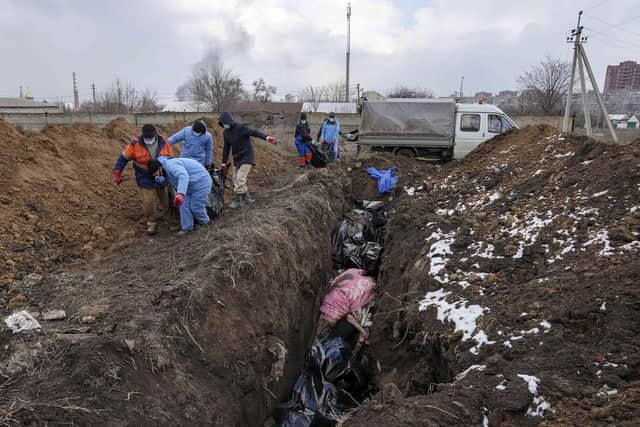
{"type": "Point", "coordinates": [117, 176]}
{"type": "Point", "coordinates": [178, 200]}
{"type": "Point", "coordinates": [161, 180]}
{"type": "Point", "coordinates": [223, 168]}
{"type": "Point", "coordinates": [272, 140]}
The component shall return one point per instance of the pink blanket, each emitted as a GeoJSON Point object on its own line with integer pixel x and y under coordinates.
{"type": "Point", "coordinates": [351, 291]}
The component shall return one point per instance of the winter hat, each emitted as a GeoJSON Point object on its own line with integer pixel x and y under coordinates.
{"type": "Point", "coordinates": [332, 115]}
{"type": "Point", "coordinates": [148, 131]}
{"type": "Point", "coordinates": [199, 126]}
{"type": "Point", "coordinates": [303, 116]}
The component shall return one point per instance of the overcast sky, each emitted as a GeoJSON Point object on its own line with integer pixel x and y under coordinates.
{"type": "Point", "coordinates": [427, 43]}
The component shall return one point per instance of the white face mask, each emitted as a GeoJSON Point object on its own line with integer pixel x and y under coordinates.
{"type": "Point", "coordinates": [149, 141]}
{"type": "Point", "coordinates": [303, 121]}
{"type": "Point", "coordinates": [197, 134]}
{"type": "Point", "coordinates": [226, 126]}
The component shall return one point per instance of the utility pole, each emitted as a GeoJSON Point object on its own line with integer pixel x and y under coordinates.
{"type": "Point", "coordinates": [93, 90]}
{"type": "Point", "coordinates": [348, 46]}
{"type": "Point", "coordinates": [76, 97]}
{"type": "Point", "coordinates": [21, 94]}
{"type": "Point", "coordinates": [581, 60]}
{"type": "Point", "coordinates": [358, 90]}
{"type": "Point", "coordinates": [461, 83]}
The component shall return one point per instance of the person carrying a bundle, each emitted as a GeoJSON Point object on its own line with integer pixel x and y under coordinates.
{"type": "Point", "coordinates": [303, 139]}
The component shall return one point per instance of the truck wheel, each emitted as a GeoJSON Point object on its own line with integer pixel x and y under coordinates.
{"type": "Point", "coordinates": [406, 152]}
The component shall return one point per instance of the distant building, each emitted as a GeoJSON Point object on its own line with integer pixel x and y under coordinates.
{"type": "Point", "coordinates": [20, 105]}
{"type": "Point", "coordinates": [242, 106]}
{"type": "Point", "coordinates": [508, 93]}
{"type": "Point", "coordinates": [625, 76]}
{"type": "Point", "coordinates": [624, 121]}
{"type": "Point", "coordinates": [328, 107]}
{"type": "Point", "coordinates": [483, 95]}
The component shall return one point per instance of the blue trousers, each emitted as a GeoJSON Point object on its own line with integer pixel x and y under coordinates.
{"type": "Point", "coordinates": [303, 148]}
{"type": "Point", "coordinates": [195, 204]}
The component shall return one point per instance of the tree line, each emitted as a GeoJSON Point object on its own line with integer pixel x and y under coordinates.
{"type": "Point", "coordinates": [216, 87]}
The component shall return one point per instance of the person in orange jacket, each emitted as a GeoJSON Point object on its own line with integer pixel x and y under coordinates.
{"type": "Point", "coordinates": [148, 145]}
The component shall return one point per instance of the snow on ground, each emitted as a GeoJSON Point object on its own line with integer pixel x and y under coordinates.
{"type": "Point", "coordinates": [528, 229]}
{"type": "Point", "coordinates": [410, 191]}
{"type": "Point", "coordinates": [539, 405]}
{"type": "Point", "coordinates": [462, 315]}
{"type": "Point", "coordinates": [439, 252]}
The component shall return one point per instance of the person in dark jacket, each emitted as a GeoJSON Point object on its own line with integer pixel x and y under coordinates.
{"type": "Point", "coordinates": [237, 140]}
{"type": "Point", "coordinates": [303, 139]}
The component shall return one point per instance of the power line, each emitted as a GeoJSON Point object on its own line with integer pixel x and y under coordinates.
{"type": "Point", "coordinates": [617, 26]}
{"type": "Point", "coordinates": [624, 42]}
{"type": "Point", "coordinates": [597, 4]}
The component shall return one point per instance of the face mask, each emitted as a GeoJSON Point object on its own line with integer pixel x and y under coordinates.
{"type": "Point", "coordinates": [303, 121]}
{"type": "Point", "coordinates": [149, 141]}
{"type": "Point", "coordinates": [197, 134]}
{"type": "Point", "coordinates": [332, 121]}
{"type": "Point", "coordinates": [227, 126]}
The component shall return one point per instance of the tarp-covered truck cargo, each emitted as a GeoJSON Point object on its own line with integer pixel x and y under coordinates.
{"type": "Point", "coordinates": [408, 123]}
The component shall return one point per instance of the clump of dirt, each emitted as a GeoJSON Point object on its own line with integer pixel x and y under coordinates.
{"type": "Point", "coordinates": [509, 288]}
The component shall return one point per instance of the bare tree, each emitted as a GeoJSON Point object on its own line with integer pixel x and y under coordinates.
{"type": "Point", "coordinates": [261, 91]}
{"type": "Point", "coordinates": [124, 98]}
{"type": "Point", "coordinates": [313, 95]}
{"type": "Point", "coordinates": [545, 85]}
{"type": "Point", "coordinates": [335, 92]}
{"type": "Point", "coordinates": [215, 85]}
{"type": "Point", "coordinates": [403, 91]}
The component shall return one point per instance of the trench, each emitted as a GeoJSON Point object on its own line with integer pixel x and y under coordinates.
{"type": "Point", "coordinates": [338, 370]}
{"type": "Point", "coordinates": [219, 338]}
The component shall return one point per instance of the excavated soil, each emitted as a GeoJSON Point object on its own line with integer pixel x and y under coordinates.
{"type": "Point", "coordinates": [208, 329]}
{"type": "Point", "coordinates": [510, 288]}
{"type": "Point", "coordinates": [508, 293]}
{"type": "Point", "coordinates": [59, 204]}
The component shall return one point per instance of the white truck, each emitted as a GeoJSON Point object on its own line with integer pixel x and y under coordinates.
{"type": "Point", "coordinates": [429, 128]}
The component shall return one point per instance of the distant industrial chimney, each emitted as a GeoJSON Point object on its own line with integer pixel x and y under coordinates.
{"type": "Point", "coordinates": [76, 97]}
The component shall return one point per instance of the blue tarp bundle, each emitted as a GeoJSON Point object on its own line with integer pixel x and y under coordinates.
{"type": "Point", "coordinates": [387, 178]}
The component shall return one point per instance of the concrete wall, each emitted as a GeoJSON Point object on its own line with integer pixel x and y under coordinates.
{"type": "Point", "coordinates": [37, 121]}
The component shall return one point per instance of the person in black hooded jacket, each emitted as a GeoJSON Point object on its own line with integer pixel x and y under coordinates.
{"type": "Point", "coordinates": [237, 140]}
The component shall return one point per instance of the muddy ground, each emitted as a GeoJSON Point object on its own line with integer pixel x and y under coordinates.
{"type": "Point", "coordinates": [508, 292]}
{"type": "Point", "coordinates": [207, 329]}
{"type": "Point", "coordinates": [510, 289]}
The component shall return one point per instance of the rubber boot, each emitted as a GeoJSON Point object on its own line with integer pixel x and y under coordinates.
{"type": "Point", "coordinates": [247, 199]}
{"type": "Point", "coordinates": [236, 202]}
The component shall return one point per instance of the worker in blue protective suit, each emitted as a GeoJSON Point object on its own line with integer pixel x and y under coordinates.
{"type": "Point", "coordinates": [192, 183]}
{"type": "Point", "coordinates": [198, 143]}
{"type": "Point", "coordinates": [331, 134]}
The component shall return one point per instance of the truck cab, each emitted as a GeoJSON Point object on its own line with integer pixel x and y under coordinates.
{"type": "Point", "coordinates": [476, 123]}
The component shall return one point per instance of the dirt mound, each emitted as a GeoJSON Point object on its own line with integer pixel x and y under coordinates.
{"type": "Point", "coordinates": [209, 329]}
{"type": "Point", "coordinates": [510, 283]}
{"type": "Point", "coordinates": [60, 205]}
{"type": "Point", "coordinates": [58, 201]}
